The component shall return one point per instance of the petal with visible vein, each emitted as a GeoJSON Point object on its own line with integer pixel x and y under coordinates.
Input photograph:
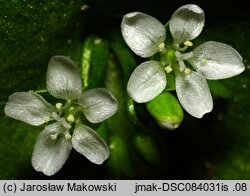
{"type": "Point", "coordinates": [215, 60]}
{"type": "Point", "coordinates": [89, 144]}
{"type": "Point", "coordinates": [50, 154]}
{"type": "Point", "coordinates": [63, 78]}
{"type": "Point", "coordinates": [143, 33]}
{"type": "Point", "coordinates": [146, 82]}
{"type": "Point", "coordinates": [193, 93]}
{"type": "Point", "coordinates": [28, 107]}
{"type": "Point", "coordinates": [98, 104]}
{"type": "Point", "coordinates": [187, 23]}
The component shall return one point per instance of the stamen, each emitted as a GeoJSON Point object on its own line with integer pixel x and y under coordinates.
{"type": "Point", "coordinates": [182, 65]}
{"type": "Point", "coordinates": [180, 61]}
{"type": "Point", "coordinates": [58, 106]}
{"type": "Point", "coordinates": [188, 43]}
{"type": "Point", "coordinates": [56, 117]}
{"type": "Point", "coordinates": [168, 69]}
{"type": "Point", "coordinates": [71, 118]}
{"type": "Point", "coordinates": [177, 47]}
{"type": "Point", "coordinates": [204, 60]}
{"type": "Point", "coordinates": [65, 124]}
{"type": "Point", "coordinates": [161, 47]}
{"type": "Point", "coordinates": [186, 56]}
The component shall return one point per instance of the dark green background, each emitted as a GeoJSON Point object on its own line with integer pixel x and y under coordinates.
{"type": "Point", "coordinates": [214, 147]}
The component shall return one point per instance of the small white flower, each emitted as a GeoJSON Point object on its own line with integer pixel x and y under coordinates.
{"type": "Point", "coordinates": [55, 142]}
{"type": "Point", "coordinates": [145, 35]}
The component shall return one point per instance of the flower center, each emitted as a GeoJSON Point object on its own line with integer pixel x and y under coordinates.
{"type": "Point", "coordinates": [173, 59]}
{"type": "Point", "coordinates": [66, 115]}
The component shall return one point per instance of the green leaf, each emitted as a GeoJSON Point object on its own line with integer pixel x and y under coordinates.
{"type": "Point", "coordinates": [94, 61]}
{"type": "Point", "coordinates": [123, 54]}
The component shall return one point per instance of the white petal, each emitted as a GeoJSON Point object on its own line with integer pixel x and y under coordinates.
{"type": "Point", "coordinates": [216, 60]}
{"type": "Point", "coordinates": [142, 33]}
{"type": "Point", "coordinates": [88, 143]}
{"type": "Point", "coordinates": [146, 82]}
{"type": "Point", "coordinates": [187, 23]}
{"type": "Point", "coordinates": [98, 104]}
{"type": "Point", "coordinates": [50, 154]}
{"type": "Point", "coordinates": [28, 107]}
{"type": "Point", "coordinates": [193, 93]}
{"type": "Point", "coordinates": [63, 78]}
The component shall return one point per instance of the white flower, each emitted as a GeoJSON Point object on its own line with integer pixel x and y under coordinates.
{"type": "Point", "coordinates": [145, 35]}
{"type": "Point", "coordinates": [55, 142]}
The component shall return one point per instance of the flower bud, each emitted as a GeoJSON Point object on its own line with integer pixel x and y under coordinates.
{"type": "Point", "coordinates": [166, 110]}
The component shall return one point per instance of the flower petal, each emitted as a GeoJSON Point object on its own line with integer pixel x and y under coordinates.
{"type": "Point", "coordinates": [50, 153]}
{"type": "Point", "coordinates": [98, 104]}
{"type": "Point", "coordinates": [142, 33]}
{"type": "Point", "coordinates": [63, 78]}
{"type": "Point", "coordinates": [193, 93]}
{"type": "Point", "coordinates": [146, 82]}
{"type": "Point", "coordinates": [187, 23]}
{"type": "Point", "coordinates": [88, 143]}
{"type": "Point", "coordinates": [215, 60]}
{"type": "Point", "coordinates": [28, 107]}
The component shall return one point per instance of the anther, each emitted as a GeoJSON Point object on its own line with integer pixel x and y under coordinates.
{"type": "Point", "coordinates": [187, 71]}
{"type": "Point", "coordinates": [168, 69]}
{"type": "Point", "coordinates": [188, 43]}
{"type": "Point", "coordinates": [58, 106]}
{"type": "Point", "coordinates": [161, 47]}
{"type": "Point", "coordinates": [204, 60]}
{"type": "Point", "coordinates": [70, 118]}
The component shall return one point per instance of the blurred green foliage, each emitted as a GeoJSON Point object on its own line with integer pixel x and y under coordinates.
{"type": "Point", "coordinates": [214, 147]}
